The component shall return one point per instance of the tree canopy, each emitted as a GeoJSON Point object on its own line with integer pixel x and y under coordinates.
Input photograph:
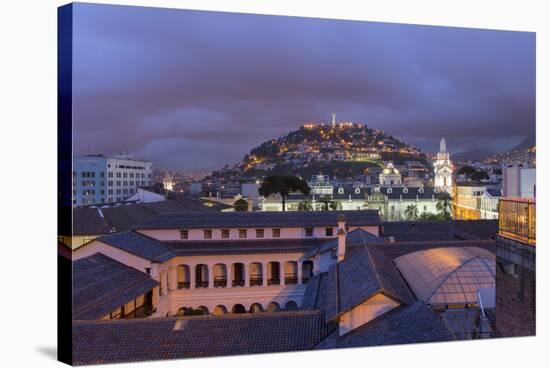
{"type": "Point", "coordinates": [283, 185]}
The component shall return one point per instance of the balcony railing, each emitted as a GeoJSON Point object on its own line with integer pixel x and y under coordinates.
{"type": "Point", "coordinates": [238, 283]}
{"type": "Point", "coordinates": [273, 281]}
{"type": "Point", "coordinates": [201, 284]}
{"type": "Point", "coordinates": [517, 219]}
{"type": "Point", "coordinates": [291, 278]}
{"type": "Point", "coordinates": [220, 281]}
{"type": "Point", "coordinates": [184, 285]}
{"type": "Point", "coordinates": [256, 280]}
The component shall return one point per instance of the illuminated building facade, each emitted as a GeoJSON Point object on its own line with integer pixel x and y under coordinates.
{"type": "Point", "coordinates": [443, 168]}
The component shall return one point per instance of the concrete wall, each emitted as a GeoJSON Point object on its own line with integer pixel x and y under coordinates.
{"type": "Point", "coordinates": [365, 312]}
{"type": "Point", "coordinates": [515, 289]}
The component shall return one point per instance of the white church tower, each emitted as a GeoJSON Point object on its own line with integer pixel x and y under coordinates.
{"type": "Point", "coordinates": [443, 168]}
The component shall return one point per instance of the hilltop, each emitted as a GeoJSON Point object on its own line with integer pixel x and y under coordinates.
{"type": "Point", "coordinates": [342, 149]}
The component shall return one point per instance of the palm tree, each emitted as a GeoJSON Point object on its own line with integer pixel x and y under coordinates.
{"type": "Point", "coordinates": [240, 205]}
{"type": "Point", "coordinates": [327, 204]}
{"type": "Point", "coordinates": [411, 212]}
{"type": "Point", "coordinates": [283, 185]}
{"type": "Point", "coordinates": [444, 205]}
{"type": "Point", "coordinates": [305, 205]}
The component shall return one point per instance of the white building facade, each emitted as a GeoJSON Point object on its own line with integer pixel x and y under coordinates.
{"type": "Point", "coordinates": [443, 168]}
{"type": "Point", "coordinates": [98, 179]}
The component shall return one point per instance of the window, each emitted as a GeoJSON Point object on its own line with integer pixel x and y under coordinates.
{"type": "Point", "coordinates": [309, 231]}
{"type": "Point", "coordinates": [225, 233]}
{"type": "Point", "coordinates": [118, 175]}
{"type": "Point", "coordinates": [131, 175]}
{"type": "Point", "coordinates": [184, 234]}
{"type": "Point", "coordinates": [259, 233]}
{"type": "Point", "coordinates": [276, 233]}
{"type": "Point", "coordinates": [208, 234]}
{"type": "Point", "coordinates": [110, 183]}
{"type": "Point", "coordinates": [110, 174]}
{"type": "Point", "coordinates": [118, 183]}
{"type": "Point", "coordinates": [329, 231]}
{"type": "Point", "coordinates": [110, 191]}
{"type": "Point", "coordinates": [242, 233]}
{"type": "Point", "coordinates": [125, 175]}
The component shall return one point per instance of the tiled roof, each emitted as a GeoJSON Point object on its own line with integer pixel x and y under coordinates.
{"type": "Point", "coordinates": [475, 229]}
{"type": "Point", "coordinates": [418, 230]}
{"type": "Point", "coordinates": [95, 221]}
{"type": "Point", "coordinates": [411, 324]}
{"type": "Point", "coordinates": [139, 245]}
{"type": "Point", "coordinates": [195, 336]}
{"type": "Point", "coordinates": [243, 246]}
{"type": "Point", "coordinates": [101, 284]}
{"type": "Point", "coordinates": [259, 219]}
{"type": "Point", "coordinates": [364, 272]}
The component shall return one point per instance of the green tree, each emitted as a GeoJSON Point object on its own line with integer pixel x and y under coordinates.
{"type": "Point", "coordinates": [327, 204]}
{"type": "Point", "coordinates": [305, 205]}
{"type": "Point", "coordinates": [240, 205]}
{"type": "Point", "coordinates": [480, 175]}
{"type": "Point", "coordinates": [411, 212]}
{"type": "Point", "coordinates": [428, 216]}
{"type": "Point", "coordinates": [283, 185]}
{"type": "Point", "coordinates": [444, 205]}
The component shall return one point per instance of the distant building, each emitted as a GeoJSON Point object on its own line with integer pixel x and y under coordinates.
{"type": "Point", "coordinates": [519, 181]}
{"type": "Point", "coordinates": [469, 196]}
{"type": "Point", "coordinates": [443, 168]}
{"type": "Point", "coordinates": [390, 176]}
{"type": "Point", "coordinates": [99, 179]}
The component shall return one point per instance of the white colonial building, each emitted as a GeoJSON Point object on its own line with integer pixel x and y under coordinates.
{"type": "Point", "coordinates": [228, 262]}
{"type": "Point", "coordinates": [390, 176]}
{"type": "Point", "coordinates": [443, 168]}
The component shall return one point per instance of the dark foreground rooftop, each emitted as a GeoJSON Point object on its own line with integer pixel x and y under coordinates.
{"type": "Point", "coordinates": [101, 284]}
{"type": "Point", "coordinates": [259, 219]}
{"type": "Point", "coordinates": [405, 325]}
{"type": "Point", "coordinates": [196, 336]}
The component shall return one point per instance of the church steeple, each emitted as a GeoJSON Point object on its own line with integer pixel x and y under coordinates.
{"type": "Point", "coordinates": [443, 145]}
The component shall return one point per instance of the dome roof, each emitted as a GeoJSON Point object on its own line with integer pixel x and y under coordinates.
{"type": "Point", "coordinates": [448, 276]}
{"type": "Point", "coordinates": [390, 170]}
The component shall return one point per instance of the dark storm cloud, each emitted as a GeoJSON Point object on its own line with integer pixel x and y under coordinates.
{"type": "Point", "coordinates": [196, 90]}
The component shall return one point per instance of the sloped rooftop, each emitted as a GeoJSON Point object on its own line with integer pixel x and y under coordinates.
{"type": "Point", "coordinates": [196, 336]}
{"type": "Point", "coordinates": [101, 284]}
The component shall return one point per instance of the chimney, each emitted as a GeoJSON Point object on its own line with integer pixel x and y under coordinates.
{"type": "Point", "coordinates": [341, 237]}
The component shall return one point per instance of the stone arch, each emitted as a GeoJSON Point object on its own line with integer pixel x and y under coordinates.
{"type": "Point", "coordinates": [201, 276]}
{"type": "Point", "coordinates": [291, 305]}
{"type": "Point", "coordinates": [238, 309]}
{"type": "Point", "coordinates": [291, 273]}
{"type": "Point", "coordinates": [237, 274]}
{"type": "Point", "coordinates": [219, 310]}
{"type": "Point", "coordinates": [220, 275]}
{"type": "Point", "coordinates": [256, 308]}
{"type": "Point", "coordinates": [203, 310]}
{"type": "Point", "coordinates": [183, 276]}
{"type": "Point", "coordinates": [273, 307]}
{"type": "Point", "coordinates": [256, 274]}
{"type": "Point", "coordinates": [273, 273]}
{"type": "Point", "coordinates": [184, 311]}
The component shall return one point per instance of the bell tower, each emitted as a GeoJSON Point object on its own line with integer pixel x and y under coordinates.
{"type": "Point", "coordinates": [443, 168]}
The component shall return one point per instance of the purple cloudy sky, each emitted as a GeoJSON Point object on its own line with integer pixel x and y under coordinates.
{"type": "Point", "coordinates": [191, 89]}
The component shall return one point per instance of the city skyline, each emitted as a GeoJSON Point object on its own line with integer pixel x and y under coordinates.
{"type": "Point", "coordinates": [194, 91]}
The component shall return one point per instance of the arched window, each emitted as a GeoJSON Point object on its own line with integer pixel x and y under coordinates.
{"type": "Point", "coordinates": [357, 191]}
{"type": "Point", "coordinates": [273, 307]}
{"type": "Point", "coordinates": [291, 273]}
{"type": "Point", "coordinates": [256, 274]}
{"type": "Point", "coordinates": [291, 306]}
{"type": "Point", "coordinates": [273, 273]}
{"type": "Point", "coordinates": [405, 190]}
{"type": "Point", "coordinates": [256, 308]}
{"type": "Point", "coordinates": [183, 277]}
{"type": "Point", "coordinates": [220, 275]}
{"type": "Point", "coordinates": [202, 310]}
{"type": "Point", "coordinates": [340, 190]}
{"type": "Point", "coordinates": [184, 311]}
{"type": "Point", "coordinates": [201, 276]}
{"type": "Point", "coordinates": [220, 310]}
{"type": "Point", "coordinates": [237, 274]}
{"type": "Point", "coordinates": [389, 191]}
{"type": "Point", "coordinates": [238, 309]}
{"type": "Point", "coordinates": [307, 271]}
{"type": "Point", "coordinates": [421, 190]}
